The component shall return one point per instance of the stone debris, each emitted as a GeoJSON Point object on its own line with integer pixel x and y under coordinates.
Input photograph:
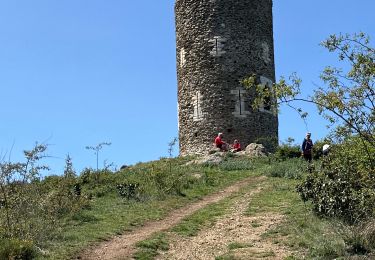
{"type": "Point", "coordinates": [255, 150]}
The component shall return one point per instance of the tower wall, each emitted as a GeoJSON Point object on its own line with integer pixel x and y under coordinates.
{"type": "Point", "coordinates": [219, 42]}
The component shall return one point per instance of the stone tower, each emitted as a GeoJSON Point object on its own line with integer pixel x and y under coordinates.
{"type": "Point", "coordinates": [220, 42]}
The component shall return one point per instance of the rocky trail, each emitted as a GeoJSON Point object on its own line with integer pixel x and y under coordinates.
{"type": "Point", "coordinates": [208, 244]}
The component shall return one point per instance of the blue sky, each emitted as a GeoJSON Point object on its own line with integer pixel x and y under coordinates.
{"type": "Point", "coordinates": [75, 73]}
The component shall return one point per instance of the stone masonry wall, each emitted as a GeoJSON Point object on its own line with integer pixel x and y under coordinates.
{"type": "Point", "coordinates": [219, 42]}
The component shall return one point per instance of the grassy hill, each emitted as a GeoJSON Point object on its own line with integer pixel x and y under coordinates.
{"type": "Point", "coordinates": [98, 205]}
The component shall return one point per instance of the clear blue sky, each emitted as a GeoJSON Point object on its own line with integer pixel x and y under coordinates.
{"type": "Point", "coordinates": [79, 72]}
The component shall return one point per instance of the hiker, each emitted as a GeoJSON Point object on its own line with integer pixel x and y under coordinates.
{"type": "Point", "coordinates": [326, 149]}
{"type": "Point", "coordinates": [307, 146]}
{"type": "Point", "coordinates": [219, 143]}
{"type": "Point", "coordinates": [236, 147]}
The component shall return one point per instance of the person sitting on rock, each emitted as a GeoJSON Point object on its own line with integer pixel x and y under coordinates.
{"type": "Point", "coordinates": [219, 143]}
{"type": "Point", "coordinates": [236, 147]}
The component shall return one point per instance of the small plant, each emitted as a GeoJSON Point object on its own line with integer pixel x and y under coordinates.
{"type": "Point", "coordinates": [69, 171]}
{"type": "Point", "coordinates": [96, 150]}
{"type": "Point", "coordinates": [171, 146]}
{"type": "Point", "coordinates": [128, 190]}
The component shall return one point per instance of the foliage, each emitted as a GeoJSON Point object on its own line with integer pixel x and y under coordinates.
{"type": "Point", "coordinates": [31, 208]}
{"type": "Point", "coordinates": [269, 142]}
{"type": "Point", "coordinates": [128, 190]}
{"type": "Point", "coordinates": [24, 211]}
{"type": "Point", "coordinates": [69, 171]}
{"type": "Point", "coordinates": [171, 146]}
{"type": "Point", "coordinates": [347, 100]}
{"type": "Point", "coordinates": [343, 186]}
{"type": "Point", "coordinates": [16, 249]}
{"type": "Point", "coordinates": [287, 151]}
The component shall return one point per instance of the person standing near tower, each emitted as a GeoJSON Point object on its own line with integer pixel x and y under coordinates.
{"type": "Point", "coordinates": [307, 146]}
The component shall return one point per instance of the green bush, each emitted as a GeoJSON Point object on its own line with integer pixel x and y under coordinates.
{"type": "Point", "coordinates": [287, 151]}
{"type": "Point", "coordinates": [128, 190]}
{"type": "Point", "coordinates": [344, 184]}
{"type": "Point", "coordinates": [16, 249]}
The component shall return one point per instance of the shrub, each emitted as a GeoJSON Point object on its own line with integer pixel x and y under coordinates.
{"type": "Point", "coordinates": [286, 151]}
{"type": "Point", "coordinates": [344, 184]}
{"type": "Point", "coordinates": [16, 249]}
{"type": "Point", "coordinates": [128, 190]}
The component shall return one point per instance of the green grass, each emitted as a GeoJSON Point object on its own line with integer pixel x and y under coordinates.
{"type": "Point", "coordinates": [147, 249]}
{"type": "Point", "coordinates": [237, 245]}
{"type": "Point", "coordinates": [109, 214]}
{"type": "Point", "coordinates": [168, 184]}
{"type": "Point", "coordinates": [302, 232]}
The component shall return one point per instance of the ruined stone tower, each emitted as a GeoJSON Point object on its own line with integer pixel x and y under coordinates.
{"type": "Point", "coordinates": [219, 42]}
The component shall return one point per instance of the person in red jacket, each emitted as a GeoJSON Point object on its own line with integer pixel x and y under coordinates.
{"type": "Point", "coordinates": [219, 143]}
{"type": "Point", "coordinates": [236, 147]}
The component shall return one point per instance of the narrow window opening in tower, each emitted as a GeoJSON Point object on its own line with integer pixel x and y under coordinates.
{"type": "Point", "coordinates": [217, 46]}
{"type": "Point", "coordinates": [240, 107]}
{"type": "Point", "coordinates": [240, 101]}
{"type": "Point", "coordinates": [197, 104]}
{"type": "Point", "coordinates": [182, 57]}
{"type": "Point", "coordinates": [196, 134]}
{"type": "Point", "coordinates": [267, 105]}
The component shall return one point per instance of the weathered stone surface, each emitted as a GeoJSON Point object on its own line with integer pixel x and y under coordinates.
{"type": "Point", "coordinates": [255, 150]}
{"type": "Point", "coordinates": [214, 158]}
{"type": "Point", "coordinates": [219, 42]}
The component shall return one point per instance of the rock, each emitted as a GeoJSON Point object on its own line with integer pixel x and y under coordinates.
{"type": "Point", "coordinates": [240, 153]}
{"type": "Point", "coordinates": [256, 150]}
{"type": "Point", "coordinates": [214, 158]}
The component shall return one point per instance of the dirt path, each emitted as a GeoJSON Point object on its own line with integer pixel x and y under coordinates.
{"type": "Point", "coordinates": [122, 247]}
{"type": "Point", "coordinates": [243, 233]}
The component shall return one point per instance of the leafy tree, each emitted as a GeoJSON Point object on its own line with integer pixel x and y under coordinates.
{"type": "Point", "coordinates": [343, 186]}
{"type": "Point", "coordinates": [347, 99]}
